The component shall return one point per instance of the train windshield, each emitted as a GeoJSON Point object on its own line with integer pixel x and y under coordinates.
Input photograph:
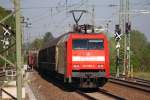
{"type": "Point", "coordinates": [88, 44]}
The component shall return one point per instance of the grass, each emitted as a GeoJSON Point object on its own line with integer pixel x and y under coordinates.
{"type": "Point", "coordinates": [144, 75]}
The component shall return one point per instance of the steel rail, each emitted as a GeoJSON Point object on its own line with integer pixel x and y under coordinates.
{"type": "Point", "coordinates": [85, 95]}
{"type": "Point", "coordinates": [130, 84]}
{"type": "Point", "coordinates": [133, 82]}
{"type": "Point", "coordinates": [134, 79]}
{"type": "Point", "coordinates": [111, 94]}
{"type": "Point", "coordinates": [141, 80]}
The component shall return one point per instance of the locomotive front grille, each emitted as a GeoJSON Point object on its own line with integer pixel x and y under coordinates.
{"type": "Point", "coordinates": [88, 74]}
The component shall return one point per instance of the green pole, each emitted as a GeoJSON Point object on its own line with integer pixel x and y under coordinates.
{"type": "Point", "coordinates": [18, 49]}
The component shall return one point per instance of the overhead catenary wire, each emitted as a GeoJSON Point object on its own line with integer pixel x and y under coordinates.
{"type": "Point", "coordinates": [64, 20]}
{"type": "Point", "coordinates": [45, 16]}
{"type": "Point", "coordinates": [56, 13]}
{"type": "Point", "coordinates": [39, 19]}
{"type": "Point", "coordinates": [60, 11]}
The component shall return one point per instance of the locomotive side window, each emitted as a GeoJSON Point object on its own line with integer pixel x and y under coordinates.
{"type": "Point", "coordinates": [88, 44]}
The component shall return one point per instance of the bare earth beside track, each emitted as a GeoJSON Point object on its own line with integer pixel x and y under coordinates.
{"type": "Point", "coordinates": [126, 92]}
{"type": "Point", "coordinates": [44, 90]}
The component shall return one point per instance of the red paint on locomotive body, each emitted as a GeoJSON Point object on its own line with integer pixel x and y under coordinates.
{"type": "Point", "coordinates": [79, 60]}
{"type": "Point", "coordinates": [77, 57]}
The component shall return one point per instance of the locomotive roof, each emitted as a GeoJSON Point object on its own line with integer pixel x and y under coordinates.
{"type": "Point", "coordinates": [54, 41]}
{"type": "Point", "coordinates": [61, 38]}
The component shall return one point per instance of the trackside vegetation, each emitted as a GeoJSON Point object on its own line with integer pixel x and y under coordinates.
{"type": "Point", "coordinates": [140, 52]}
{"type": "Point", "coordinates": [10, 22]}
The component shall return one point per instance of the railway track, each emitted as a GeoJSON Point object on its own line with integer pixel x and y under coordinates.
{"type": "Point", "coordinates": [132, 84]}
{"type": "Point", "coordinates": [100, 94]}
{"type": "Point", "coordinates": [134, 79]}
{"type": "Point", "coordinates": [141, 80]}
{"type": "Point", "coordinates": [110, 92]}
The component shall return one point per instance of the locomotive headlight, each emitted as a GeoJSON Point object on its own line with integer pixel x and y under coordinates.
{"type": "Point", "coordinates": [100, 66]}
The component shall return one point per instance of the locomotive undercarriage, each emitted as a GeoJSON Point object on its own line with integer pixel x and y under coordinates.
{"type": "Point", "coordinates": [81, 79]}
{"type": "Point", "coordinates": [89, 79]}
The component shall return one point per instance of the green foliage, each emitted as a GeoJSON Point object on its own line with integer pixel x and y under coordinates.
{"type": "Point", "coordinates": [48, 36]}
{"type": "Point", "coordinates": [39, 43]}
{"type": "Point", "coordinates": [112, 54]}
{"type": "Point", "coordinates": [10, 22]}
{"type": "Point", "coordinates": [140, 52]}
{"type": "Point", "coordinates": [144, 75]}
{"type": "Point", "coordinates": [36, 44]}
{"type": "Point", "coordinates": [1, 62]}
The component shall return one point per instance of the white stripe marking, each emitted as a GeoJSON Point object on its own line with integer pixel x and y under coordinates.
{"type": "Point", "coordinates": [88, 58]}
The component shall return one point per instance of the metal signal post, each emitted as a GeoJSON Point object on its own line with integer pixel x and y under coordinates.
{"type": "Point", "coordinates": [127, 29]}
{"type": "Point", "coordinates": [125, 26]}
{"type": "Point", "coordinates": [128, 32]}
{"type": "Point", "coordinates": [18, 49]}
{"type": "Point", "coordinates": [117, 38]}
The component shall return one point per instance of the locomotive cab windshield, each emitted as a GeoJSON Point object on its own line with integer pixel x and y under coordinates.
{"type": "Point", "coordinates": [88, 44]}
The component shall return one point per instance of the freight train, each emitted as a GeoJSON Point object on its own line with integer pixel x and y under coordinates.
{"type": "Point", "coordinates": [32, 59]}
{"type": "Point", "coordinates": [79, 58]}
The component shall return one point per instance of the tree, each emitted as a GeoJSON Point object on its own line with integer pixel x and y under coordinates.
{"type": "Point", "coordinates": [36, 44]}
{"type": "Point", "coordinates": [140, 52]}
{"type": "Point", "coordinates": [39, 43]}
{"type": "Point", "coordinates": [48, 36]}
{"type": "Point", "coordinates": [10, 22]}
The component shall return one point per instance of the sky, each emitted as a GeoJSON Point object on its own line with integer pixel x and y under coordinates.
{"type": "Point", "coordinates": [53, 15]}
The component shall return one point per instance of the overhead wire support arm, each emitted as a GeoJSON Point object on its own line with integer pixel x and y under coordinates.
{"type": "Point", "coordinates": [5, 18]}
{"type": "Point", "coordinates": [9, 15]}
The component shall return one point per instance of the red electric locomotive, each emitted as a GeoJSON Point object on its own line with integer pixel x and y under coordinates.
{"type": "Point", "coordinates": [79, 58]}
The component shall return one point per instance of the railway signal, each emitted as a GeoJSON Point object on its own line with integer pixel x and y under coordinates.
{"type": "Point", "coordinates": [117, 38]}
{"type": "Point", "coordinates": [5, 42]}
{"type": "Point", "coordinates": [128, 28]}
{"type": "Point", "coordinates": [124, 22]}
{"type": "Point", "coordinates": [6, 31]}
{"type": "Point", "coordinates": [117, 33]}
{"type": "Point", "coordinates": [6, 35]}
